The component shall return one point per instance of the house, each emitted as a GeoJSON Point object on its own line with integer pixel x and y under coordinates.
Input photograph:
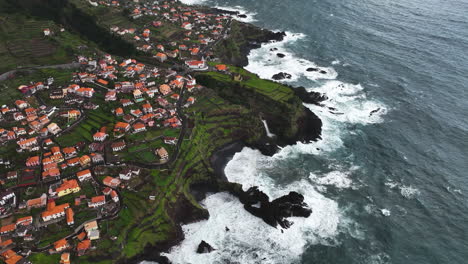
{"type": "Point", "coordinates": [103, 82]}
{"type": "Point", "coordinates": [221, 67]}
{"type": "Point", "coordinates": [7, 229]}
{"type": "Point", "coordinates": [97, 201]}
{"type": "Point", "coordinates": [10, 257]}
{"type": "Point", "coordinates": [125, 174]}
{"type": "Point", "coordinates": [111, 96]}
{"type": "Point", "coordinates": [53, 128]}
{"type": "Point", "coordinates": [51, 173]}
{"type": "Point", "coordinates": [119, 111]}
{"type": "Point", "coordinates": [54, 212]}
{"type": "Point", "coordinates": [20, 104]}
{"type": "Point", "coordinates": [170, 140]}
{"type": "Point", "coordinates": [136, 112]}
{"type": "Point", "coordinates": [111, 182]}
{"type": "Point", "coordinates": [147, 108]}
{"type": "Point", "coordinates": [100, 136]}
{"type": "Point", "coordinates": [83, 246]}
{"type": "Point", "coordinates": [85, 92]}
{"type": "Point", "coordinates": [25, 221]}
{"type": "Point", "coordinates": [61, 245]}
{"type": "Point", "coordinates": [97, 158]}
{"type": "Point", "coordinates": [65, 258]}
{"type": "Point", "coordinates": [118, 146]}
{"type": "Point", "coordinates": [69, 152]}
{"type": "Point", "coordinates": [162, 153]}
{"type": "Point", "coordinates": [139, 127]}
{"type": "Point", "coordinates": [191, 100]}
{"type": "Point", "coordinates": [27, 143]}
{"type": "Point", "coordinates": [91, 229]}
{"type": "Point", "coordinates": [73, 114]}
{"type": "Point", "coordinates": [85, 160]}
{"type": "Point", "coordinates": [164, 89]}
{"type": "Point", "coordinates": [32, 161]}
{"type": "Point", "coordinates": [187, 26]}
{"type": "Point", "coordinates": [73, 162]}
{"type": "Point", "coordinates": [161, 57]}
{"type": "Point", "coordinates": [137, 94]}
{"type": "Point", "coordinates": [69, 215]}
{"type": "Point", "coordinates": [196, 65]}
{"type": "Point", "coordinates": [84, 175]}
{"type": "Point", "coordinates": [114, 196]}
{"type": "Point", "coordinates": [67, 187]}
{"type": "Point", "coordinates": [122, 127]}
{"type": "Point", "coordinates": [37, 202]}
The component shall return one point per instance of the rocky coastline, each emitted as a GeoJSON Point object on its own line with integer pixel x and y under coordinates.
{"type": "Point", "coordinates": [257, 203]}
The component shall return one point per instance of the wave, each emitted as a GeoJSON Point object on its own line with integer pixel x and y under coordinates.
{"type": "Point", "coordinates": [193, 2]}
{"type": "Point", "coordinates": [249, 239]}
{"type": "Point", "coordinates": [249, 15]}
{"type": "Point", "coordinates": [265, 61]}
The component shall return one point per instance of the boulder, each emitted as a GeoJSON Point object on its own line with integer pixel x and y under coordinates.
{"type": "Point", "coordinates": [204, 247]}
{"type": "Point", "coordinates": [281, 76]}
{"type": "Point", "coordinates": [280, 55]}
{"type": "Point", "coordinates": [242, 16]}
{"type": "Point", "coordinates": [312, 69]}
{"type": "Point", "coordinates": [277, 211]}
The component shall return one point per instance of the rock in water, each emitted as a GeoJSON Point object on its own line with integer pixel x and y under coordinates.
{"type": "Point", "coordinates": [323, 72]}
{"type": "Point", "coordinates": [204, 248]}
{"type": "Point", "coordinates": [312, 69]}
{"type": "Point", "coordinates": [274, 213]}
{"type": "Point", "coordinates": [280, 55]}
{"type": "Point", "coordinates": [281, 76]}
{"type": "Point", "coordinates": [242, 16]}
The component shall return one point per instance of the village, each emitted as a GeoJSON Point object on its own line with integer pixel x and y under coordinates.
{"type": "Point", "coordinates": [74, 148]}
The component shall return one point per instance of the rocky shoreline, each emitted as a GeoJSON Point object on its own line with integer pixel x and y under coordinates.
{"type": "Point", "coordinates": [274, 212]}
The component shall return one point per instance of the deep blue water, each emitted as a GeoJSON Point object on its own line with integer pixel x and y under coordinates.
{"type": "Point", "coordinates": [412, 57]}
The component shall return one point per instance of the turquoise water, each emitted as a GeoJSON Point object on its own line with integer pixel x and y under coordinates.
{"type": "Point", "coordinates": [388, 186]}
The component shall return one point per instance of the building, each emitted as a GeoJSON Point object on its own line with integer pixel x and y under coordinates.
{"type": "Point", "coordinates": [7, 229]}
{"type": "Point", "coordinates": [111, 182]}
{"type": "Point", "coordinates": [114, 196]}
{"type": "Point", "coordinates": [118, 146]}
{"type": "Point", "coordinates": [97, 201]}
{"type": "Point", "coordinates": [83, 246]}
{"type": "Point", "coordinates": [25, 221]}
{"type": "Point", "coordinates": [85, 160]}
{"type": "Point", "coordinates": [125, 174]}
{"type": "Point", "coordinates": [65, 258]}
{"type": "Point", "coordinates": [162, 153]}
{"type": "Point", "coordinates": [84, 175]}
{"type": "Point", "coordinates": [161, 57]}
{"type": "Point", "coordinates": [165, 89]}
{"type": "Point", "coordinates": [100, 136]}
{"type": "Point", "coordinates": [139, 127]}
{"type": "Point", "coordinates": [54, 212]}
{"type": "Point", "coordinates": [53, 128]}
{"type": "Point", "coordinates": [67, 187]}
{"type": "Point", "coordinates": [61, 245]}
{"type": "Point", "coordinates": [69, 216]}
{"type": "Point", "coordinates": [37, 202]}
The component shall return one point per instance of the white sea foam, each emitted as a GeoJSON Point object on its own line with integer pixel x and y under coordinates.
{"type": "Point", "coordinates": [385, 212]}
{"type": "Point", "coordinates": [250, 16]}
{"type": "Point", "coordinates": [250, 240]}
{"type": "Point", "coordinates": [337, 179]}
{"type": "Point", "coordinates": [409, 191]}
{"type": "Point", "coordinates": [265, 62]}
{"type": "Point", "coordinates": [193, 2]}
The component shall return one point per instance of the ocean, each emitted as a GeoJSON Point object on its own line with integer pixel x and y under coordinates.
{"type": "Point", "coordinates": [388, 182]}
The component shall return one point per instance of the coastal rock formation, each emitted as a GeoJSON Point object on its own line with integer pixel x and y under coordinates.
{"type": "Point", "coordinates": [281, 76]}
{"type": "Point", "coordinates": [310, 97]}
{"type": "Point", "coordinates": [243, 38]}
{"type": "Point", "coordinates": [275, 212]}
{"type": "Point", "coordinates": [204, 247]}
{"type": "Point", "coordinates": [280, 55]}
